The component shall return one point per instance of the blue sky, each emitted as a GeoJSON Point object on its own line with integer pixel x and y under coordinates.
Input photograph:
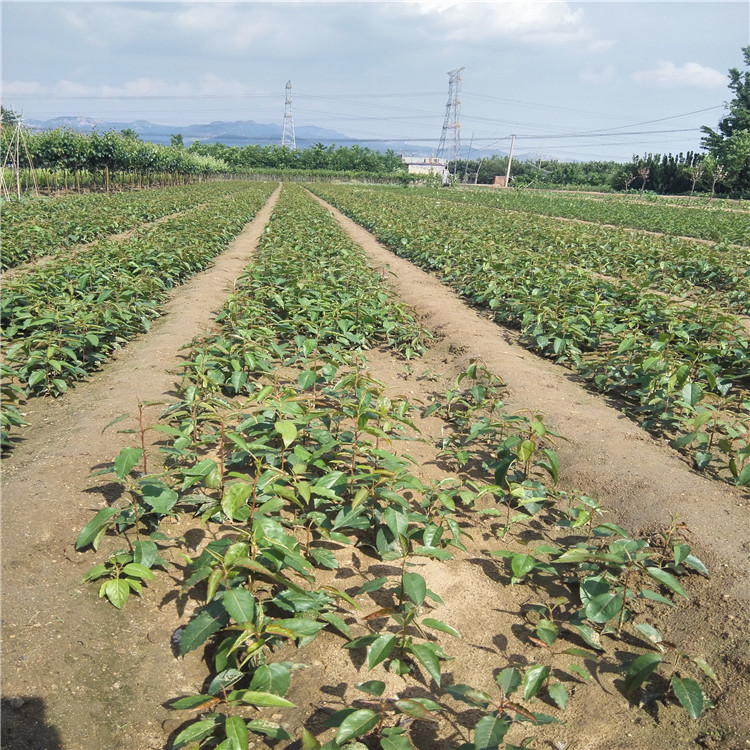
{"type": "Point", "coordinates": [573, 80]}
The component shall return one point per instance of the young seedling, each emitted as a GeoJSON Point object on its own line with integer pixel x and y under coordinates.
{"type": "Point", "coordinates": [375, 720]}
{"type": "Point", "coordinates": [499, 714]}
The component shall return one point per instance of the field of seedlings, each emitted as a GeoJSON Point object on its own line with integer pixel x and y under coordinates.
{"type": "Point", "coordinates": [267, 483]}
{"type": "Point", "coordinates": [662, 324]}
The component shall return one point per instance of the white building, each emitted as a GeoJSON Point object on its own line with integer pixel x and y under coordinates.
{"type": "Point", "coordinates": [427, 165]}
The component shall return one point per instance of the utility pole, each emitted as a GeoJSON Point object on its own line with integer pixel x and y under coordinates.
{"type": "Point", "coordinates": [510, 159]}
{"type": "Point", "coordinates": [287, 132]}
{"type": "Point", "coordinates": [452, 124]}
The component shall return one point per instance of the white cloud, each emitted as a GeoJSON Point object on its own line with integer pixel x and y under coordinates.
{"type": "Point", "coordinates": [506, 21]}
{"type": "Point", "coordinates": [22, 88]}
{"type": "Point", "coordinates": [105, 25]}
{"type": "Point", "coordinates": [205, 84]}
{"type": "Point", "coordinates": [668, 75]}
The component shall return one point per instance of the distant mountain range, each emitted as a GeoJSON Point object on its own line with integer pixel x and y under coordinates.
{"type": "Point", "coordinates": [238, 133]}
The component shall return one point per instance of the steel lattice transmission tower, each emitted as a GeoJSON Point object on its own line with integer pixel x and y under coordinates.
{"type": "Point", "coordinates": [287, 133]}
{"type": "Point", "coordinates": [452, 125]}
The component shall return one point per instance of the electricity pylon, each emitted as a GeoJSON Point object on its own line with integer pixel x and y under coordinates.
{"type": "Point", "coordinates": [287, 132]}
{"type": "Point", "coordinates": [452, 125]}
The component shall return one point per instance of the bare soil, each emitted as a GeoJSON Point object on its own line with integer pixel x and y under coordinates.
{"type": "Point", "coordinates": [78, 674]}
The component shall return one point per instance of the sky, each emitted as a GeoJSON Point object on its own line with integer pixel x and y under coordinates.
{"type": "Point", "coordinates": [571, 80]}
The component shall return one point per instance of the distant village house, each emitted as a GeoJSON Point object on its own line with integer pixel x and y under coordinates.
{"type": "Point", "coordinates": [427, 165]}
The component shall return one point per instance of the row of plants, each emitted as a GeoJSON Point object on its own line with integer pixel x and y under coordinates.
{"type": "Point", "coordinates": [59, 322]}
{"type": "Point", "coordinates": [283, 446]}
{"type": "Point", "coordinates": [680, 370]}
{"type": "Point", "coordinates": [674, 266]}
{"type": "Point", "coordinates": [36, 227]}
{"type": "Point", "coordinates": [720, 225]}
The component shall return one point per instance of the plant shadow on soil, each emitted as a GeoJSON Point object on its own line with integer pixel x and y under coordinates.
{"type": "Point", "coordinates": [24, 726]}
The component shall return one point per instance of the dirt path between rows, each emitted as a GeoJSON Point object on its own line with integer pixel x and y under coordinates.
{"type": "Point", "coordinates": [79, 675]}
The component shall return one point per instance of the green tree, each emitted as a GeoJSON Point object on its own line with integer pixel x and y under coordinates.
{"type": "Point", "coordinates": [730, 144]}
{"type": "Point", "coordinates": [8, 117]}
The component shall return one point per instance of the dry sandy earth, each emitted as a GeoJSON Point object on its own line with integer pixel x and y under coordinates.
{"type": "Point", "coordinates": [78, 674]}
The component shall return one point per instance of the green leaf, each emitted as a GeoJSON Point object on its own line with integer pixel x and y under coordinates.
{"type": "Point", "coordinates": [380, 649]}
{"type": "Point", "coordinates": [667, 579]}
{"type": "Point", "coordinates": [240, 605]}
{"type": "Point", "coordinates": [704, 667]}
{"type": "Point", "coordinates": [640, 669]}
{"type": "Point", "coordinates": [649, 632]}
{"type": "Point", "coordinates": [324, 557]}
{"type": "Point", "coordinates": [551, 465]}
{"type": "Point", "coordinates": [547, 632]}
{"type": "Point", "coordinates": [356, 724]}
{"type": "Point", "coordinates": [117, 591]}
{"type": "Point", "coordinates": [680, 552]}
{"type": "Point", "coordinates": [533, 680]}
{"type": "Point", "coordinates": [96, 572]}
{"type": "Point", "coordinates": [159, 497]}
{"type": "Point", "coordinates": [509, 680]}
{"type": "Point", "coordinates": [439, 625]}
{"type": "Point", "coordinates": [522, 564]}
{"type": "Point", "coordinates": [415, 709]}
{"type": "Point", "coordinates": [574, 555]}
{"type": "Point", "coordinates": [489, 732]}
{"type": "Point", "coordinates": [559, 695]}
{"type": "Point", "coordinates": [287, 430]}
{"type": "Point", "coordinates": [690, 695]}
{"type": "Point", "coordinates": [469, 695]}
{"type": "Point", "coordinates": [306, 379]}
{"type": "Point", "coordinates": [428, 658]}
{"type": "Point", "coordinates": [90, 531]}
{"type": "Point", "coordinates": [371, 687]}
{"type": "Point", "coordinates": [374, 585]}
{"type": "Point", "coordinates": [301, 627]}
{"type": "Point", "coordinates": [196, 732]}
{"type": "Point", "coordinates": [259, 698]}
{"type": "Point", "coordinates": [272, 678]}
{"type": "Point", "coordinates": [333, 619]}
{"type": "Point", "coordinates": [693, 562]}
{"type": "Point", "coordinates": [126, 460]}
{"type": "Point", "coordinates": [580, 671]}
{"type": "Point", "coordinates": [226, 678]}
{"type": "Point", "coordinates": [235, 496]}
{"type": "Point", "coordinates": [36, 377]}
{"type": "Point", "coordinates": [309, 740]}
{"type": "Point", "coordinates": [692, 393]}
{"type": "Point", "coordinates": [415, 587]}
{"type": "Point", "coordinates": [604, 607]}
{"type": "Point", "coordinates": [191, 701]}
{"type": "Point", "coordinates": [271, 729]}
{"type": "Point", "coordinates": [395, 741]}
{"type": "Point", "coordinates": [236, 730]}
{"type": "Point", "coordinates": [203, 626]}
{"type": "Point", "coordinates": [138, 571]}
{"type": "Point", "coordinates": [145, 552]}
